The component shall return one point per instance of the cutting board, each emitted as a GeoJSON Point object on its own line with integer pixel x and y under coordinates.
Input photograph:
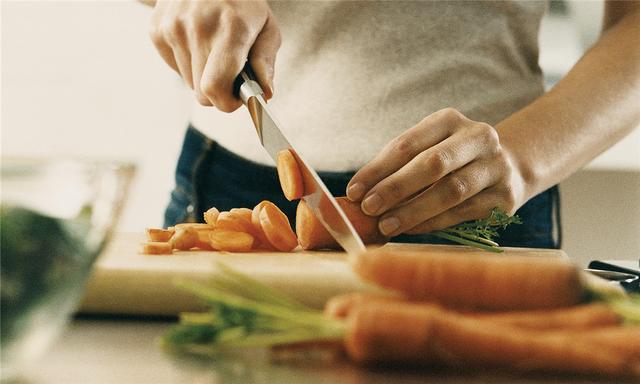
{"type": "Point", "coordinates": [126, 282]}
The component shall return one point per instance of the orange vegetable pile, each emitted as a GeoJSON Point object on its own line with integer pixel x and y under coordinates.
{"type": "Point", "coordinates": [264, 228]}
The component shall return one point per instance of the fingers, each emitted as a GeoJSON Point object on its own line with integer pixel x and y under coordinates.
{"type": "Point", "coordinates": [477, 207]}
{"type": "Point", "coordinates": [422, 171]}
{"type": "Point", "coordinates": [207, 43]}
{"type": "Point", "coordinates": [448, 192]}
{"type": "Point", "coordinates": [427, 133]}
{"type": "Point", "coordinates": [262, 55]}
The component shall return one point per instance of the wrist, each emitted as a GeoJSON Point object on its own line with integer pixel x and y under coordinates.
{"type": "Point", "coordinates": [524, 172]}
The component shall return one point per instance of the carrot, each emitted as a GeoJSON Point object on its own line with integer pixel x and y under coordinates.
{"type": "Point", "coordinates": [185, 238]}
{"type": "Point", "coordinates": [159, 234]}
{"type": "Point", "coordinates": [313, 235]}
{"type": "Point", "coordinates": [289, 175]}
{"type": "Point", "coordinates": [276, 227]}
{"type": "Point", "coordinates": [156, 248]}
{"type": "Point", "coordinates": [233, 222]}
{"type": "Point", "coordinates": [231, 241]}
{"type": "Point", "coordinates": [243, 213]}
{"type": "Point", "coordinates": [469, 281]}
{"type": "Point", "coordinates": [430, 334]}
{"type": "Point", "coordinates": [587, 316]}
{"type": "Point", "coordinates": [261, 238]}
{"type": "Point", "coordinates": [211, 215]}
{"type": "Point", "coordinates": [196, 226]}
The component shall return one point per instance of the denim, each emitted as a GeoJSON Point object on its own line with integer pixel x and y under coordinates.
{"type": "Point", "coordinates": [208, 175]}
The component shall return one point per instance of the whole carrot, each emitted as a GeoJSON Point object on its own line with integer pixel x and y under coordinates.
{"type": "Point", "coordinates": [468, 281]}
{"type": "Point", "coordinates": [579, 317]}
{"type": "Point", "coordinates": [430, 334]}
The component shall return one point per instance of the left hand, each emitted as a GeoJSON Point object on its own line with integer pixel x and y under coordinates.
{"type": "Point", "coordinates": [445, 170]}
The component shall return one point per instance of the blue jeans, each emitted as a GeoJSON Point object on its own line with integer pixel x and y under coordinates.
{"type": "Point", "coordinates": [208, 175]}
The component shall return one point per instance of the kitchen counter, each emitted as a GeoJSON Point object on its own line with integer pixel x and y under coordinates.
{"type": "Point", "coordinates": [123, 350]}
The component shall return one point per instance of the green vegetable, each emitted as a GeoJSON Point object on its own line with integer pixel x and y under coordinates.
{"type": "Point", "coordinates": [479, 233]}
{"type": "Point", "coordinates": [245, 313]}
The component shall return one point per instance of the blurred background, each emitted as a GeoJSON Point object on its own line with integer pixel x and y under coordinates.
{"type": "Point", "coordinates": [83, 79]}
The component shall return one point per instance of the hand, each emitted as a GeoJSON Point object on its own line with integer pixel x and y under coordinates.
{"type": "Point", "coordinates": [445, 170]}
{"type": "Point", "coordinates": [208, 42]}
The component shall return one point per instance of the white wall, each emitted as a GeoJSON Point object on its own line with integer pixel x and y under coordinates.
{"type": "Point", "coordinates": [83, 79]}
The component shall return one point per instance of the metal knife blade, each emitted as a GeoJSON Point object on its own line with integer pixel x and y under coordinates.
{"type": "Point", "coordinates": [317, 195]}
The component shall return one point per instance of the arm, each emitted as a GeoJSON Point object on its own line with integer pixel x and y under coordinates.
{"type": "Point", "coordinates": [595, 105]}
{"type": "Point", "coordinates": [448, 169]}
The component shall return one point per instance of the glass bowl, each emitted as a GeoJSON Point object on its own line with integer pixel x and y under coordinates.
{"type": "Point", "coordinates": [55, 218]}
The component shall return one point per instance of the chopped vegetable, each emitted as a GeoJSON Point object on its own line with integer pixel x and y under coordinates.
{"type": "Point", "coordinates": [277, 228]}
{"type": "Point", "coordinates": [289, 175]}
{"type": "Point", "coordinates": [231, 241]}
{"type": "Point", "coordinates": [159, 234]}
{"type": "Point", "coordinates": [156, 248]}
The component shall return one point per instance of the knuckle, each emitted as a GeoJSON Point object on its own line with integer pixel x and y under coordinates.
{"type": "Point", "coordinates": [404, 146]}
{"type": "Point", "coordinates": [392, 192]}
{"type": "Point", "coordinates": [451, 115]}
{"type": "Point", "coordinates": [438, 163]}
{"type": "Point", "coordinates": [488, 135]}
{"type": "Point", "coordinates": [457, 188]}
{"type": "Point", "coordinates": [173, 30]}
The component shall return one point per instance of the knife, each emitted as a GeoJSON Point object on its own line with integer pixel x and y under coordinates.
{"type": "Point", "coordinates": [316, 193]}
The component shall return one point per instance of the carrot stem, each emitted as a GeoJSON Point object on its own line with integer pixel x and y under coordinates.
{"type": "Point", "coordinates": [462, 240]}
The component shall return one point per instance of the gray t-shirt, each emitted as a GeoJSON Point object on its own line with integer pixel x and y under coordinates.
{"type": "Point", "coordinates": [352, 75]}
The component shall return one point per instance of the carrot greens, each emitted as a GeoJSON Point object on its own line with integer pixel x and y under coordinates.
{"type": "Point", "coordinates": [480, 233]}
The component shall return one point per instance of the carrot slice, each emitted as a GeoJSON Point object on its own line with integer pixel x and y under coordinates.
{"type": "Point", "coordinates": [231, 241]}
{"type": "Point", "coordinates": [156, 248]}
{"type": "Point", "coordinates": [211, 215]}
{"type": "Point", "coordinates": [261, 238]}
{"type": "Point", "coordinates": [228, 221]}
{"type": "Point", "coordinates": [159, 234]}
{"type": "Point", "coordinates": [289, 175]}
{"type": "Point", "coordinates": [276, 227]}
{"type": "Point", "coordinates": [185, 238]}
{"type": "Point", "coordinates": [243, 213]}
{"type": "Point", "coordinates": [196, 226]}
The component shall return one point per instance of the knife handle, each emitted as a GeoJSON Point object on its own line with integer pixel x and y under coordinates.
{"type": "Point", "coordinates": [245, 85]}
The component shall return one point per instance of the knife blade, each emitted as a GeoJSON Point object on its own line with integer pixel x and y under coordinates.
{"type": "Point", "coordinates": [316, 193]}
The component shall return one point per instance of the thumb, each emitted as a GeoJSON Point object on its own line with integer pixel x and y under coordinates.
{"type": "Point", "coordinates": [262, 55]}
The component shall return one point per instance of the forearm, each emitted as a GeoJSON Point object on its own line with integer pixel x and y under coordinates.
{"type": "Point", "coordinates": [589, 110]}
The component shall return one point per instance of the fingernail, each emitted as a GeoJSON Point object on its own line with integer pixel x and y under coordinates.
{"type": "Point", "coordinates": [372, 204]}
{"type": "Point", "coordinates": [388, 225]}
{"type": "Point", "coordinates": [355, 191]}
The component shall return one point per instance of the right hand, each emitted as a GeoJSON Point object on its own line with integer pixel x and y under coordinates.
{"type": "Point", "coordinates": [208, 42]}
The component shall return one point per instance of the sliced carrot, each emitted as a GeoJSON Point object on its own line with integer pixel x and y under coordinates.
{"type": "Point", "coordinates": [185, 238]}
{"type": "Point", "coordinates": [469, 281]}
{"type": "Point", "coordinates": [243, 213]}
{"type": "Point", "coordinates": [203, 242]}
{"type": "Point", "coordinates": [313, 235]}
{"type": "Point", "coordinates": [428, 333]}
{"type": "Point", "coordinates": [233, 222]}
{"type": "Point", "coordinates": [231, 241]}
{"type": "Point", "coordinates": [211, 215]}
{"type": "Point", "coordinates": [289, 175]}
{"type": "Point", "coordinates": [196, 226]}
{"type": "Point", "coordinates": [159, 234]}
{"type": "Point", "coordinates": [156, 248]}
{"type": "Point", "coordinates": [277, 228]}
{"type": "Point", "coordinates": [261, 238]}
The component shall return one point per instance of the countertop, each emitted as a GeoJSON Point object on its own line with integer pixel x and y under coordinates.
{"type": "Point", "coordinates": [123, 350]}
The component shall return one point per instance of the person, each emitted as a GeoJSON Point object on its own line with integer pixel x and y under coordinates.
{"type": "Point", "coordinates": [428, 113]}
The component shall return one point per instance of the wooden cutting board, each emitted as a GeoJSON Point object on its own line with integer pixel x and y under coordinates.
{"type": "Point", "coordinates": [126, 282]}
